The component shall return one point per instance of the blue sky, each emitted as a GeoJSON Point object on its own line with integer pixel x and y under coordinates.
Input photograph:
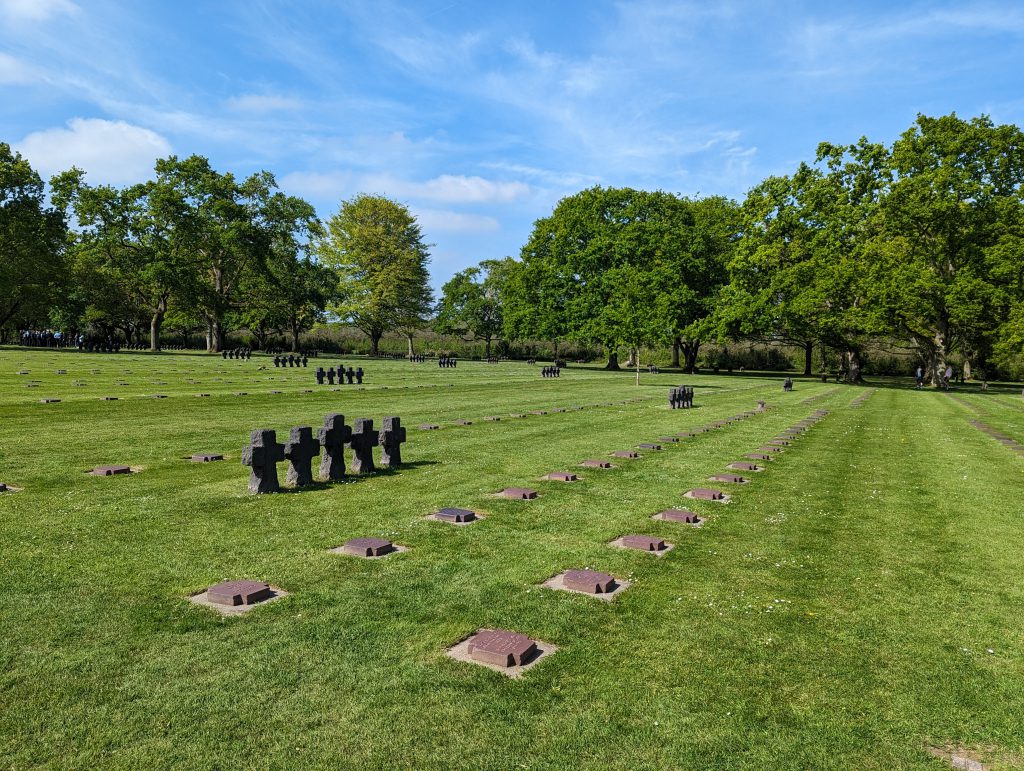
{"type": "Point", "coordinates": [481, 116]}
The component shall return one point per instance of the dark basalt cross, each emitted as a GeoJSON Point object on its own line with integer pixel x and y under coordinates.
{"type": "Point", "coordinates": [363, 440]}
{"type": "Point", "coordinates": [300, 450]}
{"type": "Point", "coordinates": [391, 438]}
{"type": "Point", "coordinates": [333, 436]}
{"type": "Point", "coordinates": [262, 455]}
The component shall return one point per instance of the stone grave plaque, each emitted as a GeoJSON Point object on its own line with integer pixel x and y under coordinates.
{"type": "Point", "coordinates": [368, 547]}
{"type": "Point", "coordinates": [239, 593]}
{"type": "Point", "coordinates": [538, 412]}
{"type": "Point", "coordinates": [679, 515]}
{"type": "Point", "coordinates": [769, 448]}
{"type": "Point", "coordinates": [649, 446]}
{"type": "Point", "coordinates": [589, 581]}
{"type": "Point", "coordinates": [429, 427]}
{"type": "Point", "coordinates": [49, 401]}
{"type": "Point", "coordinates": [779, 443]}
{"type": "Point", "coordinates": [643, 542]}
{"type": "Point", "coordinates": [110, 398]}
{"type": "Point", "coordinates": [744, 466]}
{"type": "Point", "coordinates": [596, 464]}
{"type": "Point", "coordinates": [625, 454]}
{"type": "Point", "coordinates": [668, 439]}
{"type": "Point", "coordinates": [502, 648]}
{"type": "Point", "coordinates": [463, 422]}
{"type": "Point", "coordinates": [206, 457]}
{"type": "Point", "coordinates": [458, 516]}
{"type": "Point", "coordinates": [561, 476]}
{"type": "Point", "coordinates": [705, 494]}
{"type": "Point", "coordinates": [108, 471]}
{"type": "Point", "coordinates": [519, 493]}
{"type": "Point", "coordinates": [493, 418]}
{"type": "Point", "coordinates": [758, 456]}
{"type": "Point", "coordinates": [731, 478]}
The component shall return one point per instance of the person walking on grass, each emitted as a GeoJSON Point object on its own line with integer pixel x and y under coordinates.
{"type": "Point", "coordinates": [919, 376]}
{"type": "Point", "coordinates": [949, 375]}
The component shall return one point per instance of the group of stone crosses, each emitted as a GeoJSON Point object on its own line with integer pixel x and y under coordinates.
{"type": "Point", "coordinates": [447, 361]}
{"type": "Point", "coordinates": [342, 374]}
{"type": "Point", "coordinates": [265, 452]}
{"type": "Point", "coordinates": [291, 360]}
{"type": "Point", "coordinates": [680, 398]}
{"type": "Point", "coordinates": [237, 353]}
{"type": "Point", "coordinates": [551, 372]}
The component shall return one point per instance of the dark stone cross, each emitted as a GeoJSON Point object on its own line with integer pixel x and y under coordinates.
{"type": "Point", "coordinates": [391, 438]}
{"type": "Point", "coordinates": [320, 374]}
{"type": "Point", "coordinates": [262, 455]}
{"type": "Point", "coordinates": [363, 440]}
{"type": "Point", "coordinates": [330, 376]}
{"type": "Point", "coordinates": [300, 450]}
{"type": "Point", "coordinates": [334, 435]}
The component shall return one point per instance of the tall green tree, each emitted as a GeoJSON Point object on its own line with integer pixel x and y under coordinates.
{"type": "Point", "coordinates": [128, 250]}
{"type": "Point", "coordinates": [376, 247]}
{"type": "Point", "coordinates": [947, 221]}
{"type": "Point", "coordinates": [664, 253]}
{"type": "Point", "coordinates": [472, 303]}
{"type": "Point", "coordinates": [34, 270]}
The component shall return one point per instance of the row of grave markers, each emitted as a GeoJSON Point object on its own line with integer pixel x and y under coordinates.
{"type": "Point", "coordinates": [265, 452]}
{"type": "Point", "coordinates": [508, 651]}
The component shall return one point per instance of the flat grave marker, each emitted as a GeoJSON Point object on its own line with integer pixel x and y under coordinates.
{"type": "Point", "coordinates": [509, 653]}
{"type": "Point", "coordinates": [455, 516]}
{"type": "Point", "coordinates": [734, 479]}
{"type": "Point", "coordinates": [518, 493]}
{"type": "Point", "coordinates": [706, 494]}
{"type": "Point", "coordinates": [561, 476]}
{"type": "Point", "coordinates": [369, 548]}
{"type": "Point", "coordinates": [109, 471]}
{"type": "Point", "coordinates": [592, 583]}
{"type": "Point", "coordinates": [232, 598]}
{"type": "Point", "coordinates": [596, 464]}
{"type": "Point", "coordinates": [680, 515]}
{"type": "Point", "coordinates": [645, 543]}
{"type": "Point", "coordinates": [206, 457]}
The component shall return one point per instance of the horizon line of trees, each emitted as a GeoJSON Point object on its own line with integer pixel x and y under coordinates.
{"type": "Point", "coordinates": [920, 242]}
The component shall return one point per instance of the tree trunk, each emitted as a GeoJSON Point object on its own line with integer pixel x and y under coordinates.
{"type": "Point", "coordinates": [487, 347]}
{"type": "Point", "coordinates": [676, 345]}
{"type": "Point", "coordinates": [851, 360]}
{"type": "Point", "coordinates": [634, 358]}
{"type": "Point", "coordinates": [155, 324]}
{"type": "Point", "coordinates": [690, 350]}
{"type": "Point", "coordinates": [408, 339]}
{"type": "Point", "coordinates": [375, 342]}
{"type": "Point", "coordinates": [613, 361]}
{"type": "Point", "coordinates": [937, 354]}
{"type": "Point", "coordinates": [295, 338]}
{"type": "Point", "coordinates": [808, 357]}
{"type": "Point", "coordinates": [967, 370]}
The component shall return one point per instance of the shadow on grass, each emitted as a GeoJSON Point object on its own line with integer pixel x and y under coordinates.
{"type": "Point", "coordinates": [352, 479]}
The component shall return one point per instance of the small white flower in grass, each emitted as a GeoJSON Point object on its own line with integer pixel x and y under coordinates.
{"type": "Point", "coordinates": [989, 650]}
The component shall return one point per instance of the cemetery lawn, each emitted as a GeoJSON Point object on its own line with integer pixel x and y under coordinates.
{"type": "Point", "coordinates": [859, 602]}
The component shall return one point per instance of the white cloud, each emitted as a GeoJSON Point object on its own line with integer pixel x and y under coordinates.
{"type": "Point", "coordinates": [450, 188]}
{"type": "Point", "coordinates": [36, 10]}
{"type": "Point", "coordinates": [330, 185]}
{"type": "Point", "coordinates": [14, 72]}
{"type": "Point", "coordinates": [441, 220]}
{"type": "Point", "coordinates": [263, 103]}
{"type": "Point", "coordinates": [111, 152]}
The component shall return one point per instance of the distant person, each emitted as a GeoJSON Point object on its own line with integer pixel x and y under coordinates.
{"type": "Point", "coordinates": [949, 375]}
{"type": "Point", "coordinates": [919, 375]}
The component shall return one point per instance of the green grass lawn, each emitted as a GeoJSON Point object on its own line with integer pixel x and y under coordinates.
{"type": "Point", "coordinates": [858, 602]}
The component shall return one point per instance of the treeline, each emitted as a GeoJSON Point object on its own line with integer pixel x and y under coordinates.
{"type": "Point", "coordinates": [916, 247]}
